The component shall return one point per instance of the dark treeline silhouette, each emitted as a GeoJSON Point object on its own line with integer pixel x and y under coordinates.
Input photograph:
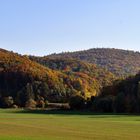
{"type": "Point", "coordinates": [123, 96]}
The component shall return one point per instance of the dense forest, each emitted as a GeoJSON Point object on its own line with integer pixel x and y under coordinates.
{"type": "Point", "coordinates": [73, 67]}
{"type": "Point", "coordinates": [30, 81]}
{"type": "Point", "coordinates": [122, 96]}
{"type": "Point", "coordinates": [119, 62]}
{"type": "Point", "coordinates": [24, 82]}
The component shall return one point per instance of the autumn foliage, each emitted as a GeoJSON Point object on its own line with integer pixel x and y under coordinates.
{"type": "Point", "coordinates": [31, 83]}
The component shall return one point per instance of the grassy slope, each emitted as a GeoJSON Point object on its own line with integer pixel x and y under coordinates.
{"type": "Point", "coordinates": [40, 126]}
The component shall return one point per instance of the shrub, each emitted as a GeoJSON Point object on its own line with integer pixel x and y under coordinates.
{"type": "Point", "coordinates": [119, 103]}
{"type": "Point", "coordinates": [41, 104]}
{"type": "Point", "coordinates": [77, 102]}
{"type": "Point", "coordinates": [7, 102]}
{"type": "Point", "coordinates": [103, 104]}
{"type": "Point", "coordinates": [30, 104]}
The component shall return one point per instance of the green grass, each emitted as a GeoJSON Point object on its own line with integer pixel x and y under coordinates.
{"type": "Point", "coordinates": [49, 125]}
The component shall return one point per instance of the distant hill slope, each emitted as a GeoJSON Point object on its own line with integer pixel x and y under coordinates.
{"type": "Point", "coordinates": [119, 62]}
{"type": "Point", "coordinates": [27, 82]}
{"type": "Point", "coordinates": [75, 67]}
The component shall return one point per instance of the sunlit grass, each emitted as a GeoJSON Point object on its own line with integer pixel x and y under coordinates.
{"type": "Point", "coordinates": [22, 125]}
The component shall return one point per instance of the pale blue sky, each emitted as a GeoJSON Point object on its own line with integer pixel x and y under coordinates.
{"type": "Point", "coordinates": [42, 27]}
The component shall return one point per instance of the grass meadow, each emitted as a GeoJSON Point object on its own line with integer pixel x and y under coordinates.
{"type": "Point", "coordinates": [61, 125]}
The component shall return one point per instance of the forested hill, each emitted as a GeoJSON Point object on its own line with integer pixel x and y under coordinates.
{"type": "Point", "coordinates": [29, 81]}
{"type": "Point", "coordinates": [120, 62]}
{"type": "Point", "coordinates": [73, 67]}
{"type": "Point", "coordinates": [24, 82]}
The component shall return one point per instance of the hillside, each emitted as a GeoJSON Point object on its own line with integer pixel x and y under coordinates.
{"type": "Point", "coordinates": [77, 68]}
{"type": "Point", "coordinates": [29, 81]}
{"type": "Point", "coordinates": [119, 62]}
{"type": "Point", "coordinates": [24, 82]}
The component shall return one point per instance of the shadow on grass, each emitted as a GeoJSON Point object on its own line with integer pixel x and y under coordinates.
{"type": "Point", "coordinates": [71, 112]}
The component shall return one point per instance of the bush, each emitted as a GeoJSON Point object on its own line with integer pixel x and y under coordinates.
{"type": "Point", "coordinates": [77, 102]}
{"type": "Point", "coordinates": [104, 104]}
{"type": "Point", "coordinates": [46, 103]}
{"type": "Point", "coordinates": [40, 104]}
{"type": "Point", "coordinates": [30, 103]}
{"type": "Point", "coordinates": [6, 102]}
{"type": "Point", "coordinates": [119, 103]}
{"type": "Point", "coordinates": [15, 106]}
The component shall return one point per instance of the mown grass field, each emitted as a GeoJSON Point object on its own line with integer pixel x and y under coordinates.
{"type": "Point", "coordinates": [49, 125]}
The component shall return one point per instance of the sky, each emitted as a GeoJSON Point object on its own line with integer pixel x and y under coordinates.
{"type": "Point", "coordinates": [41, 27]}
